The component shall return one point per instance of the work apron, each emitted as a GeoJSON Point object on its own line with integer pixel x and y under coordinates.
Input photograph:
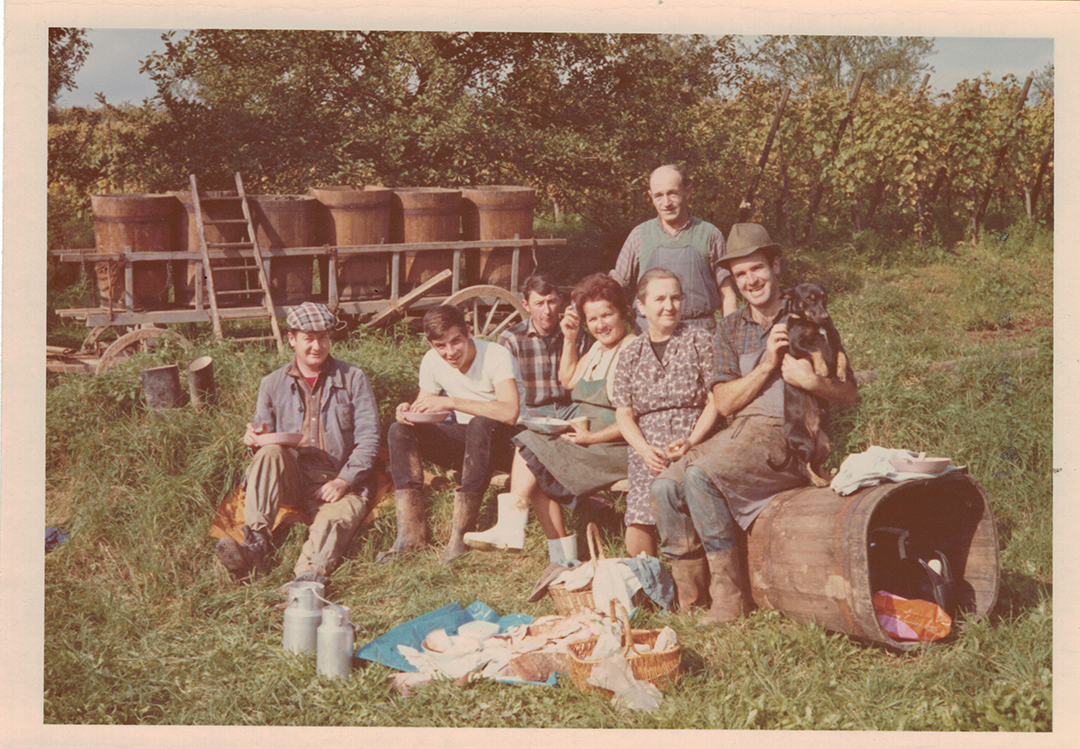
{"type": "Point", "coordinates": [737, 459]}
{"type": "Point", "coordinates": [701, 297]}
{"type": "Point", "coordinates": [579, 469]}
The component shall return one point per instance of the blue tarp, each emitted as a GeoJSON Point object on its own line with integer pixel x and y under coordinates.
{"type": "Point", "coordinates": [384, 649]}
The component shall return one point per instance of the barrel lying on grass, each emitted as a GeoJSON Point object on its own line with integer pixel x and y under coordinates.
{"type": "Point", "coordinates": [808, 550]}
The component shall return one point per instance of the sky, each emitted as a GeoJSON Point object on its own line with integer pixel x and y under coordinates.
{"type": "Point", "coordinates": [112, 67]}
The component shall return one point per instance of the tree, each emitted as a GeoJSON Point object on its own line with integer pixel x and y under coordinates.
{"type": "Point", "coordinates": [888, 62]}
{"type": "Point", "coordinates": [67, 52]}
{"type": "Point", "coordinates": [581, 117]}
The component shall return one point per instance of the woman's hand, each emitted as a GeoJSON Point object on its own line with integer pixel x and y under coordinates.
{"type": "Point", "coordinates": [570, 323]}
{"type": "Point", "coordinates": [578, 435]}
{"type": "Point", "coordinates": [655, 459]}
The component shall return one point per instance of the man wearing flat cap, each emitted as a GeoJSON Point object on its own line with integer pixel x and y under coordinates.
{"type": "Point", "coordinates": [331, 405]}
{"type": "Point", "coordinates": [727, 479]}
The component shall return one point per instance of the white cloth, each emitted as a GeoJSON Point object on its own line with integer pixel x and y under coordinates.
{"type": "Point", "coordinates": [613, 579]}
{"type": "Point", "coordinates": [493, 365]}
{"type": "Point", "coordinates": [873, 467]}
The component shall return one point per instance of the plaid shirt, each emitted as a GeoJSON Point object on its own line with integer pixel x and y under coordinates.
{"type": "Point", "coordinates": [627, 268]}
{"type": "Point", "coordinates": [538, 362]}
{"type": "Point", "coordinates": [737, 334]}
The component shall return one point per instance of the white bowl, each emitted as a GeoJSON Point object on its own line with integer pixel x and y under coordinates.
{"type": "Point", "coordinates": [545, 424]}
{"type": "Point", "coordinates": [478, 630]}
{"type": "Point", "coordinates": [288, 439]}
{"type": "Point", "coordinates": [432, 417]}
{"type": "Point", "coordinates": [920, 465]}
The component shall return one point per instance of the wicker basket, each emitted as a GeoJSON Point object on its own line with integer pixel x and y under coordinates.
{"type": "Point", "coordinates": [659, 669]}
{"type": "Point", "coordinates": [568, 602]}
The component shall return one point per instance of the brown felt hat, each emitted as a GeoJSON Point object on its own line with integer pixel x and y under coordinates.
{"type": "Point", "coordinates": [745, 239]}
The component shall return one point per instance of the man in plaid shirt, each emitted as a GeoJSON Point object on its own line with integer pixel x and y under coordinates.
{"type": "Point", "coordinates": [537, 344]}
{"type": "Point", "coordinates": [723, 483]}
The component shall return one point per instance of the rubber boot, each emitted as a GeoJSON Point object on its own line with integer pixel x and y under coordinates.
{"type": "Point", "coordinates": [728, 603]}
{"type": "Point", "coordinates": [412, 527]}
{"type": "Point", "coordinates": [242, 559]}
{"type": "Point", "coordinates": [691, 578]}
{"type": "Point", "coordinates": [509, 530]}
{"type": "Point", "coordinates": [563, 550]}
{"type": "Point", "coordinates": [466, 508]}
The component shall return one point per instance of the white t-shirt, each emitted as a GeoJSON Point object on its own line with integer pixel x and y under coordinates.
{"type": "Point", "coordinates": [493, 364]}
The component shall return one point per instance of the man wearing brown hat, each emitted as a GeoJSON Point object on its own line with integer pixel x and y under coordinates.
{"type": "Point", "coordinates": [331, 405]}
{"type": "Point", "coordinates": [689, 247]}
{"type": "Point", "coordinates": [726, 479]}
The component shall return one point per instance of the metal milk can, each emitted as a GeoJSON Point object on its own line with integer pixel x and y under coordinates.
{"type": "Point", "coordinates": [335, 642]}
{"type": "Point", "coordinates": [302, 617]}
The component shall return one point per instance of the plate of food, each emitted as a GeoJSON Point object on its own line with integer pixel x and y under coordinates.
{"type": "Point", "coordinates": [920, 464]}
{"type": "Point", "coordinates": [286, 439]}
{"type": "Point", "coordinates": [551, 425]}
{"type": "Point", "coordinates": [431, 417]}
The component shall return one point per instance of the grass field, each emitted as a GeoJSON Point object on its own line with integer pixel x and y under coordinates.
{"type": "Point", "coordinates": [142, 626]}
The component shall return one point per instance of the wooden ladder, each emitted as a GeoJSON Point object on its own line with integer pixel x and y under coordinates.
{"type": "Point", "coordinates": [258, 266]}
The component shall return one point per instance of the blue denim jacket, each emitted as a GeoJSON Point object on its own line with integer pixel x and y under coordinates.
{"type": "Point", "coordinates": [350, 416]}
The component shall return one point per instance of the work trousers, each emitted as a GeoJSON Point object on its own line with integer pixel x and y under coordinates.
{"type": "Point", "coordinates": [692, 517]}
{"type": "Point", "coordinates": [278, 472]}
{"type": "Point", "coordinates": [474, 447]}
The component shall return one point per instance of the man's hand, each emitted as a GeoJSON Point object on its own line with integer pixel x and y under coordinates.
{"type": "Point", "coordinates": [799, 372]}
{"type": "Point", "coordinates": [249, 435]}
{"type": "Point", "coordinates": [677, 448]}
{"type": "Point", "coordinates": [570, 323]}
{"type": "Point", "coordinates": [428, 403]}
{"type": "Point", "coordinates": [332, 490]}
{"type": "Point", "coordinates": [776, 346]}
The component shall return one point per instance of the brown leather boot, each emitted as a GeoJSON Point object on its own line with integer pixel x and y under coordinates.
{"type": "Point", "coordinates": [691, 578]}
{"type": "Point", "coordinates": [466, 509]}
{"type": "Point", "coordinates": [241, 559]}
{"type": "Point", "coordinates": [728, 603]}
{"type": "Point", "coordinates": [412, 527]}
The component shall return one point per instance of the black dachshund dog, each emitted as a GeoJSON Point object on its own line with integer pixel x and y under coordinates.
{"type": "Point", "coordinates": [812, 336]}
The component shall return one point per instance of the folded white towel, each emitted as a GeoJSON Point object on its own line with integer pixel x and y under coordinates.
{"type": "Point", "coordinates": [873, 467]}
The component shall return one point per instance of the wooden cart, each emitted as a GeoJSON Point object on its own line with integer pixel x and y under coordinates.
{"type": "Point", "coordinates": [489, 309]}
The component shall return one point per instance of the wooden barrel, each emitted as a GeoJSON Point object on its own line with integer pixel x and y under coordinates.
{"type": "Point", "coordinates": [426, 214]}
{"type": "Point", "coordinates": [216, 206]}
{"type": "Point", "coordinates": [808, 550]}
{"type": "Point", "coordinates": [286, 221]}
{"type": "Point", "coordinates": [497, 212]}
{"type": "Point", "coordinates": [145, 223]}
{"type": "Point", "coordinates": [353, 216]}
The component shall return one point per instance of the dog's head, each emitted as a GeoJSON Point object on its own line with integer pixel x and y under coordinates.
{"type": "Point", "coordinates": [808, 300]}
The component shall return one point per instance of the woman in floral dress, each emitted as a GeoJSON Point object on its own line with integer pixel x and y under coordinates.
{"type": "Point", "coordinates": [662, 398]}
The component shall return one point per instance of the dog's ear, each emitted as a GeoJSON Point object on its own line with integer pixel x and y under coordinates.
{"type": "Point", "coordinates": [789, 294]}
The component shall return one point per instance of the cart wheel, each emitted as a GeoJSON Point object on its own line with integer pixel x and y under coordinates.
{"type": "Point", "coordinates": [136, 340]}
{"type": "Point", "coordinates": [489, 310]}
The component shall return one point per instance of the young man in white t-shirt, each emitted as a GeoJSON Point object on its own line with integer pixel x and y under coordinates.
{"type": "Point", "coordinates": [478, 382]}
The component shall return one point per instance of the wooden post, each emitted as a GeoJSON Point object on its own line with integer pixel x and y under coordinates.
{"type": "Point", "coordinates": [819, 189]}
{"type": "Point", "coordinates": [1036, 188]}
{"type": "Point", "coordinates": [998, 161]}
{"type": "Point", "coordinates": [748, 198]}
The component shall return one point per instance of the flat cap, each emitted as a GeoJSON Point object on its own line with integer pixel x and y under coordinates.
{"type": "Point", "coordinates": [310, 317]}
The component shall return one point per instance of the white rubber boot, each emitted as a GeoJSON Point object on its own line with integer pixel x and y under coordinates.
{"type": "Point", "coordinates": [563, 551]}
{"type": "Point", "coordinates": [508, 533]}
